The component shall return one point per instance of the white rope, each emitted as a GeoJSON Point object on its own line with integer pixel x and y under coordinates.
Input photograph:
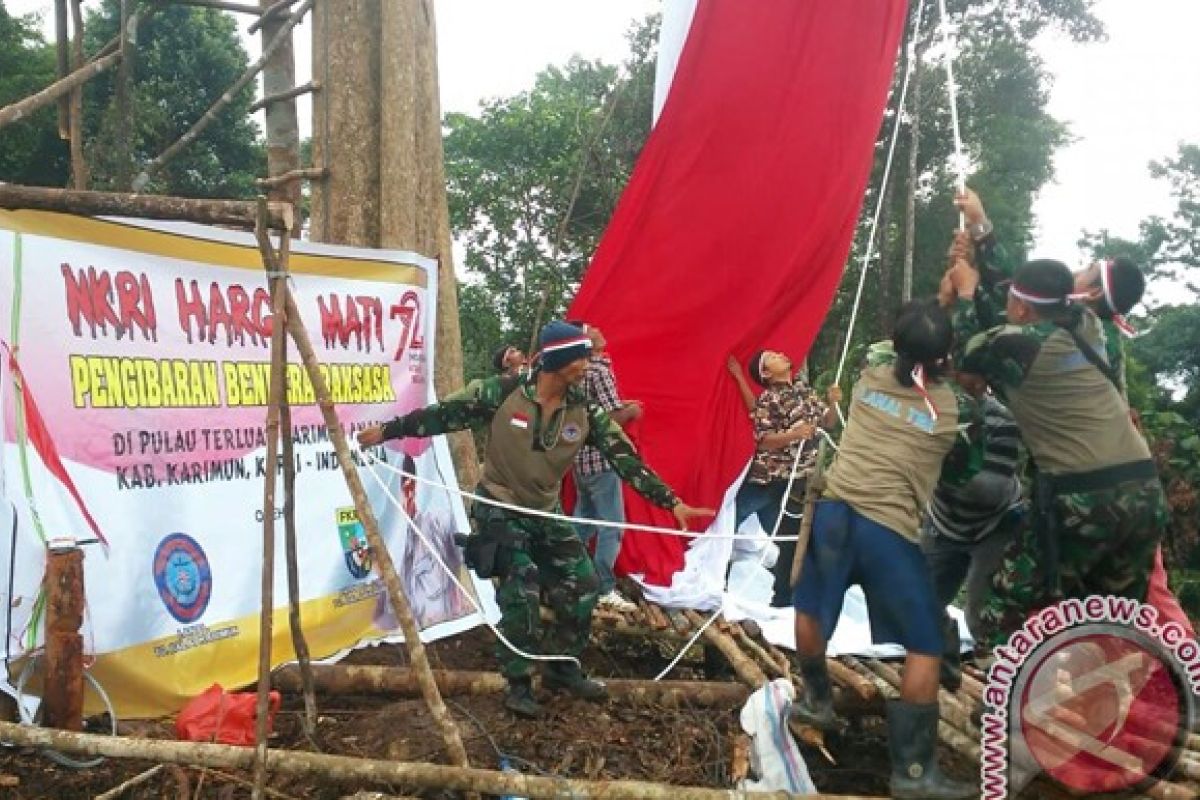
{"type": "Point", "coordinates": [887, 172]}
{"type": "Point", "coordinates": [533, 512]}
{"type": "Point", "coordinates": [688, 646]}
{"type": "Point", "coordinates": [959, 162]}
{"type": "Point", "coordinates": [436, 553]}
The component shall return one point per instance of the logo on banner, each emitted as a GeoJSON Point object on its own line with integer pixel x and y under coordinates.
{"type": "Point", "coordinates": [571, 432]}
{"type": "Point", "coordinates": [355, 550]}
{"type": "Point", "coordinates": [183, 577]}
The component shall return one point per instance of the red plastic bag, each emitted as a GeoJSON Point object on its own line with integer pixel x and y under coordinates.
{"type": "Point", "coordinates": [216, 715]}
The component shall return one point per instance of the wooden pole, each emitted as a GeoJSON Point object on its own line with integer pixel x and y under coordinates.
{"type": "Point", "coordinates": [404, 682]}
{"type": "Point", "coordinates": [123, 101]}
{"type": "Point", "coordinates": [62, 689]}
{"type": "Point", "coordinates": [62, 53]}
{"type": "Point", "coordinates": [812, 492]}
{"type": "Point", "coordinates": [292, 178]}
{"type": "Point", "coordinates": [26, 106]}
{"type": "Point", "coordinates": [343, 769]}
{"type": "Point", "coordinates": [269, 11]}
{"type": "Point", "coordinates": [277, 269]}
{"type": "Point", "coordinates": [383, 559]}
{"type": "Point", "coordinates": [282, 121]}
{"type": "Point", "coordinates": [79, 168]}
{"type": "Point", "coordinates": [285, 31]}
{"type": "Point", "coordinates": [221, 5]}
{"type": "Point", "coordinates": [241, 213]}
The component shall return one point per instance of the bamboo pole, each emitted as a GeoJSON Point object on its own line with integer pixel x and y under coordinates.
{"type": "Point", "coordinates": [285, 32]}
{"type": "Point", "coordinates": [383, 559]}
{"type": "Point", "coordinates": [275, 392]}
{"type": "Point", "coordinates": [343, 769]}
{"type": "Point", "coordinates": [747, 671]}
{"type": "Point", "coordinates": [28, 105]}
{"type": "Point", "coordinates": [402, 681]}
{"type": "Point", "coordinates": [240, 213]}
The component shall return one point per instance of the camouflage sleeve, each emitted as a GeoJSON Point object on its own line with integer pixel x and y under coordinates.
{"type": "Point", "coordinates": [965, 458]}
{"type": "Point", "coordinates": [1114, 352]}
{"type": "Point", "coordinates": [995, 272]}
{"type": "Point", "coordinates": [607, 437]}
{"type": "Point", "coordinates": [473, 405]}
{"type": "Point", "coordinates": [1002, 355]}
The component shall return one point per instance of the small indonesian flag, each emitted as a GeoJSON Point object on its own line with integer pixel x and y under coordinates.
{"type": "Point", "coordinates": [519, 421]}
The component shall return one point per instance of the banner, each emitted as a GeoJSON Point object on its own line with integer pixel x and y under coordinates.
{"type": "Point", "coordinates": [135, 378]}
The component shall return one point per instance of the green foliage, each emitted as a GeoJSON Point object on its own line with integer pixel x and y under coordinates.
{"type": "Point", "coordinates": [30, 151]}
{"type": "Point", "coordinates": [186, 58]}
{"type": "Point", "coordinates": [532, 183]}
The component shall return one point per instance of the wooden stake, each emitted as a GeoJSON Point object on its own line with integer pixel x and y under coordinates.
{"type": "Point", "coordinates": [361, 772]}
{"type": "Point", "coordinates": [241, 213]}
{"type": "Point", "coordinates": [812, 492]}
{"type": "Point", "coordinates": [62, 52]}
{"type": "Point", "coordinates": [383, 559]}
{"type": "Point", "coordinates": [62, 689]}
{"type": "Point", "coordinates": [291, 176]}
{"type": "Point", "coordinates": [79, 167]}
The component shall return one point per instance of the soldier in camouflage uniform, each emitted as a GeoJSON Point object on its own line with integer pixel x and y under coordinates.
{"type": "Point", "coordinates": [537, 423]}
{"type": "Point", "coordinates": [1099, 510]}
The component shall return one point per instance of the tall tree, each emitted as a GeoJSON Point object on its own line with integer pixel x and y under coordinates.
{"type": "Point", "coordinates": [184, 60]}
{"type": "Point", "coordinates": [533, 181]}
{"type": "Point", "coordinates": [30, 151]}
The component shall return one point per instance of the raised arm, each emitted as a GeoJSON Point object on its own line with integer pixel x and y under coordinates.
{"type": "Point", "coordinates": [469, 407]}
{"type": "Point", "coordinates": [739, 377]}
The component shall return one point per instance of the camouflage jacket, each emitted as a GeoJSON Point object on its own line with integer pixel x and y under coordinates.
{"type": "Point", "coordinates": [527, 455]}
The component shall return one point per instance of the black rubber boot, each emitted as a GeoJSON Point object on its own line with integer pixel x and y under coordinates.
{"type": "Point", "coordinates": [567, 675]}
{"type": "Point", "coordinates": [814, 706]}
{"type": "Point", "coordinates": [519, 699]}
{"type": "Point", "coordinates": [912, 739]}
{"type": "Point", "coordinates": [951, 669]}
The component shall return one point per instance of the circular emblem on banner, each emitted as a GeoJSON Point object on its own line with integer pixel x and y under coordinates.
{"type": "Point", "coordinates": [571, 432]}
{"type": "Point", "coordinates": [1103, 710]}
{"type": "Point", "coordinates": [183, 577]}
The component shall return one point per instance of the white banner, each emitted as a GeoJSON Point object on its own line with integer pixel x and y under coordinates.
{"type": "Point", "coordinates": [136, 364]}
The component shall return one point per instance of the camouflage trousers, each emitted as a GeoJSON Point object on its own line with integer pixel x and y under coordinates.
{"type": "Point", "coordinates": [1107, 539]}
{"type": "Point", "coordinates": [555, 566]}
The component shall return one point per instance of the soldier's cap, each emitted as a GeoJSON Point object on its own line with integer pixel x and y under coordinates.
{"type": "Point", "coordinates": [560, 343]}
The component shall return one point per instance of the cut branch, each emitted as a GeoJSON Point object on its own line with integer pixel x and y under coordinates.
{"type": "Point", "coordinates": [304, 174]}
{"type": "Point", "coordinates": [267, 13]}
{"type": "Point", "coordinates": [23, 108]}
{"type": "Point", "coordinates": [220, 5]}
{"type": "Point", "coordinates": [311, 86]}
{"type": "Point", "coordinates": [285, 32]}
{"type": "Point", "coordinates": [358, 771]}
{"type": "Point", "coordinates": [211, 212]}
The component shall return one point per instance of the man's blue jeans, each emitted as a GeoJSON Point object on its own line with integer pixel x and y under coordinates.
{"type": "Point", "coordinates": [600, 498]}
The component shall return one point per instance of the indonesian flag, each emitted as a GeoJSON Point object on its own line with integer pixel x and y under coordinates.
{"type": "Point", "coordinates": [735, 226]}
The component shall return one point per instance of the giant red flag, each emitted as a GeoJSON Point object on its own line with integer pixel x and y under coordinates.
{"type": "Point", "coordinates": [735, 226]}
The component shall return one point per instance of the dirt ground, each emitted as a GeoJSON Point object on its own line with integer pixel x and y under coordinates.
{"type": "Point", "coordinates": [576, 739]}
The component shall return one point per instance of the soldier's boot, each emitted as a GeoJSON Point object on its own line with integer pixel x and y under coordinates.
{"type": "Point", "coordinates": [519, 698]}
{"type": "Point", "coordinates": [567, 675]}
{"type": "Point", "coordinates": [814, 706]}
{"type": "Point", "coordinates": [951, 668]}
{"type": "Point", "coordinates": [912, 739]}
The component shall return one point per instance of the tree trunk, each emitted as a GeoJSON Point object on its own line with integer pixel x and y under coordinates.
{"type": "Point", "coordinates": [283, 128]}
{"type": "Point", "coordinates": [747, 671]}
{"type": "Point", "coordinates": [79, 168]}
{"type": "Point", "coordinates": [910, 197]}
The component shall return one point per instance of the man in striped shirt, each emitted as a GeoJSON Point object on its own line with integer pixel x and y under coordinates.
{"type": "Point", "coordinates": [968, 525]}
